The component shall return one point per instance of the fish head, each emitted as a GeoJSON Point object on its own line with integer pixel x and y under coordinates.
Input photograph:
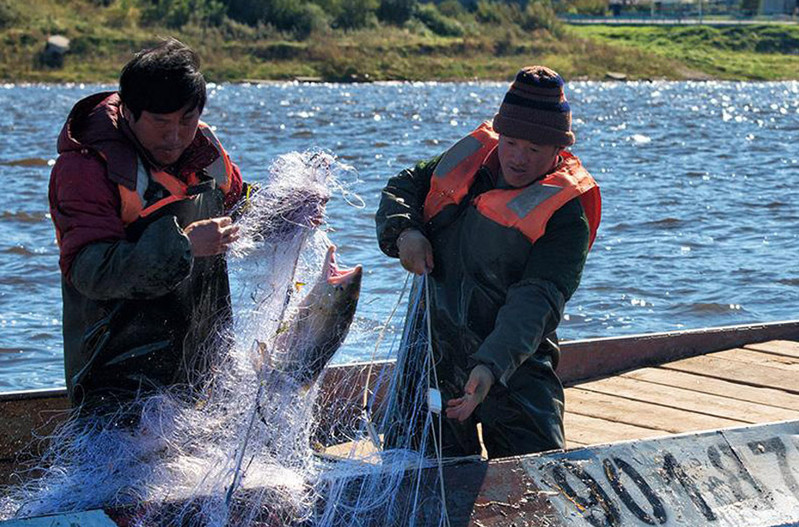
{"type": "Point", "coordinates": [322, 320]}
{"type": "Point", "coordinates": [341, 284]}
{"type": "Point", "coordinates": [329, 307]}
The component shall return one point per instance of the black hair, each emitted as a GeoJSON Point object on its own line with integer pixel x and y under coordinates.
{"type": "Point", "coordinates": [163, 79]}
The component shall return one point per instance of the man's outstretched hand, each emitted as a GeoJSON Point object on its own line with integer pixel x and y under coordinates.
{"type": "Point", "coordinates": [211, 237]}
{"type": "Point", "coordinates": [480, 381]}
{"type": "Point", "coordinates": [415, 251]}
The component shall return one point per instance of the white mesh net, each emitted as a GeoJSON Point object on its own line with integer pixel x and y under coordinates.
{"type": "Point", "coordinates": [262, 443]}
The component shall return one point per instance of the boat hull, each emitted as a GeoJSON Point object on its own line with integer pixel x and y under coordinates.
{"type": "Point", "coordinates": [731, 476]}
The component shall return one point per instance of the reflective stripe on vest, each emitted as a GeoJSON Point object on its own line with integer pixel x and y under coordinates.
{"type": "Point", "coordinates": [221, 170]}
{"type": "Point", "coordinates": [457, 169]}
{"type": "Point", "coordinates": [526, 209]}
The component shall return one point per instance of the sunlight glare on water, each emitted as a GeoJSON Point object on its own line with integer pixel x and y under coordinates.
{"type": "Point", "coordinates": [698, 229]}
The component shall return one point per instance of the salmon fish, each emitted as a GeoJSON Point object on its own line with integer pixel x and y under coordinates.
{"type": "Point", "coordinates": [309, 339]}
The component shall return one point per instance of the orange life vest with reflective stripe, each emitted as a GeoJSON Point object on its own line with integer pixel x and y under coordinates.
{"type": "Point", "coordinates": [133, 202]}
{"type": "Point", "coordinates": [527, 209]}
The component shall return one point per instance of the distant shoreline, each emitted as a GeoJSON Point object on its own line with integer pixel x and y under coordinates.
{"type": "Point", "coordinates": [112, 86]}
{"type": "Point", "coordinates": [482, 52]}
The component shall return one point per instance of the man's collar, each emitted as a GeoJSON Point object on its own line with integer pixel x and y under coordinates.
{"type": "Point", "coordinates": [494, 169]}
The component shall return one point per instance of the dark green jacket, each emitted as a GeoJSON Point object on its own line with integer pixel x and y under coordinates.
{"type": "Point", "coordinates": [138, 307]}
{"type": "Point", "coordinates": [496, 298]}
{"type": "Point", "coordinates": [138, 313]}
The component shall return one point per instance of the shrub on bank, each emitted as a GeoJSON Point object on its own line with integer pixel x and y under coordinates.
{"type": "Point", "coordinates": [249, 12]}
{"type": "Point", "coordinates": [307, 19]}
{"type": "Point", "coordinates": [540, 15]}
{"type": "Point", "coordinates": [298, 18]}
{"type": "Point", "coordinates": [439, 24]}
{"type": "Point", "coordinates": [396, 12]}
{"type": "Point", "coordinates": [356, 14]}
{"type": "Point", "coordinates": [488, 12]}
{"type": "Point", "coordinates": [8, 14]}
{"type": "Point", "coordinates": [593, 7]}
{"type": "Point", "coordinates": [452, 9]}
{"type": "Point", "coordinates": [178, 13]}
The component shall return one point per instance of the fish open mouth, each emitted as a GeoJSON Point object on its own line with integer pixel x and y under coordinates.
{"type": "Point", "coordinates": [334, 275]}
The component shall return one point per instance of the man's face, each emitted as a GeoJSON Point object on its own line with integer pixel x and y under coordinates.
{"type": "Point", "coordinates": [165, 135]}
{"type": "Point", "coordinates": [523, 161]}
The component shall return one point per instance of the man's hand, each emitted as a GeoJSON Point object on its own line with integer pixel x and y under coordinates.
{"type": "Point", "coordinates": [480, 381]}
{"type": "Point", "coordinates": [415, 251]}
{"type": "Point", "coordinates": [211, 237]}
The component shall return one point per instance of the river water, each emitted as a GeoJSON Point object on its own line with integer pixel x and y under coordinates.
{"type": "Point", "coordinates": [699, 224]}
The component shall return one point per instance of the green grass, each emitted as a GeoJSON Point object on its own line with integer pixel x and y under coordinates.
{"type": "Point", "coordinates": [767, 52]}
{"type": "Point", "coordinates": [103, 39]}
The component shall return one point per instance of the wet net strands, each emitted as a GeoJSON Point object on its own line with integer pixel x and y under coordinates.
{"type": "Point", "coordinates": [244, 445]}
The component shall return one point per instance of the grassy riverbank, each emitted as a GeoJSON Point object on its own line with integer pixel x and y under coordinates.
{"type": "Point", "coordinates": [103, 38]}
{"type": "Point", "coordinates": [767, 52]}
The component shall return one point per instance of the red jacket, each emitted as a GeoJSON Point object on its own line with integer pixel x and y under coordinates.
{"type": "Point", "coordinates": [97, 152]}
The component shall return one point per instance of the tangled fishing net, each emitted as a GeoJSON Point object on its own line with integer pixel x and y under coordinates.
{"type": "Point", "coordinates": [259, 442]}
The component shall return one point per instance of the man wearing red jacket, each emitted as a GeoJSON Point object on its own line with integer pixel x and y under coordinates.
{"type": "Point", "coordinates": [139, 197]}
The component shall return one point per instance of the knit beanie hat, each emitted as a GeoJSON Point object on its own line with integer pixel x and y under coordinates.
{"type": "Point", "coordinates": [536, 109]}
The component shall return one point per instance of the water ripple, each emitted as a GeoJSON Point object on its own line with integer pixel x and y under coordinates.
{"type": "Point", "coordinates": [699, 224]}
{"type": "Point", "coordinates": [27, 162]}
{"type": "Point", "coordinates": [23, 216]}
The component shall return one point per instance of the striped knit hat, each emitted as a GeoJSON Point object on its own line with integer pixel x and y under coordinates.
{"type": "Point", "coordinates": [536, 109]}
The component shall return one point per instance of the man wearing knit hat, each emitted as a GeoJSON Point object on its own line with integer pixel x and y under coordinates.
{"type": "Point", "coordinates": [501, 223]}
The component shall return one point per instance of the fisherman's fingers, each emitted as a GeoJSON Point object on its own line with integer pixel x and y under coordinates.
{"type": "Point", "coordinates": [413, 263]}
{"type": "Point", "coordinates": [455, 402]}
{"type": "Point", "coordinates": [211, 237]}
{"type": "Point", "coordinates": [471, 386]}
{"type": "Point", "coordinates": [230, 234]}
{"type": "Point", "coordinates": [425, 253]}
{"type": "Point", "coordinates": [463, 409]}
{"type": "Point", "coordinates": [415, 251]}
{"type": "Point", "coordinates": [428, 258]}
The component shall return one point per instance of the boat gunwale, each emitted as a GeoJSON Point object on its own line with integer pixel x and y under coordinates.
{"type": "Point", "coordinates": [581, 360]}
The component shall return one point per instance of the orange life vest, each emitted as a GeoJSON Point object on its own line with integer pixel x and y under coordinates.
{"type": "Point", "coordinates": [133, 202]}
{"type": "Point", "coordinates": [527, 209]}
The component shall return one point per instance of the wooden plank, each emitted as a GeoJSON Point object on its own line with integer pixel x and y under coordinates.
{"type": "Point", "coordinates": [572, 443]}
{"type": "Point", "coordinates": [591, 359]}
{"type": "Point", "coordinates": [21, 416]}
{"type": "Point", "coordinates": [95, 518]}
{"type": "Point", "coordinates": [779, 347]}
{"type": "Point", "coordinates": [752, 374]}
{"type": "Point", "coordinates": [24, 416]}
{"type": "Point", "coordinates": [361, 450]}
{"type": "Point", "coordinates": [594, 431]}
{"type": "Point", "coordinates": [697, 402]}
{"type": "Point", "coordinates": [702, 384]}
{"type": "Point", "coordinates": [746, 356]}
{"type": "Point", "coordinates": [621, 410]}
